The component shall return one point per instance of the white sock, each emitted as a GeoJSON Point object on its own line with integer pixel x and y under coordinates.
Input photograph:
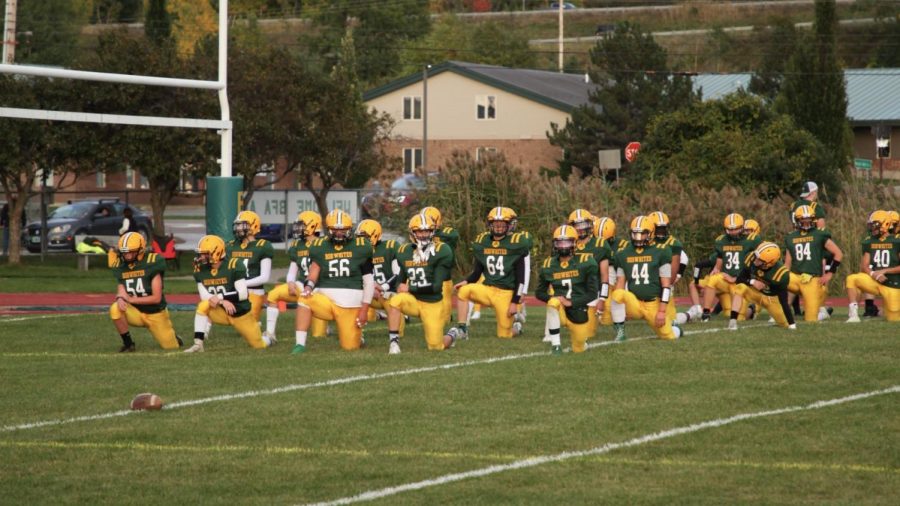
{"type": "Point", "coordinates": [266, 339]}
{"type": "Point", "coordinates": [695, 311]}
{"type": "Point", "coordinates": [201, 323]}
{"type": "Point", "coordinates": [681, 318]}
{"type": "Point", "coordinates": [208, 325]}
{"type": "Point", "coordinates": [271, 319]}
{"type": "Point", "coordinates": [823, 314]}
{"type": "Point", "coordinates": [554, 338]}
{"type": "Point", "coordinates": [853, 310]}
{"type": "Point", "coordinates": [677, 330]}
{"type": "Point", "coordinates": [553, 320]}
{"type": "Point", "coordinates": [300, 336]}
{"type": "Point", "coordinates": [471, 309]}
{"type": "Point", "coordinates": [617, 311]}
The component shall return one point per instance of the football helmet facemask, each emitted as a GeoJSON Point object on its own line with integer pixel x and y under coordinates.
{"type": "Point", "coordinates": [308, 224]}
{"type": "Point", "coordinates": [879, 223]}
{"type": "Point", "coordinates": [421, 230]}
{"type": "Point", "coordinates": [131, 247]}
{"type": "Point", "coordinates": [583, 223]}
{"type": "Point", "coordinates": [564, 238]}
{"type": "Point", "coordinates": [661, 225]}
{"type": "Point", "coordinates": [339, 225]}
{"type": "Point", "coordinates": [210, 250]}
{"type": "Point", "coordinates": [766, 255]}
{"type": "Point", "coordinates": [734, 225]}
{"type": "Point", "coordinates": [642, 230]}
{"type": "Point", "coordinates": [245, 224]}
{"type": "Point", "coordinates": [370, 229]}
{"type": "Point", "coordinates": [499, 222]}
{"type": "Point", "coordinates": [805, 218]}
{"type": "Point", "coordinates": [894, 218]}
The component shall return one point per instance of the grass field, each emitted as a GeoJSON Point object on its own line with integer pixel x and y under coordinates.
{"type": "Point", "coordinates": [488, 422]}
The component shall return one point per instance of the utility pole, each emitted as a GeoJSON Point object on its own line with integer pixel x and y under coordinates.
{"type": "Point", "coordinates": [9, 33]}
{"type": "Point", "coordinates": [561, 4]}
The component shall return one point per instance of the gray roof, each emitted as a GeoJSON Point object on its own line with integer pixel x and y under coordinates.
{"type": "Point", "coordinates": [557, 90]}
{"type": "Point", "coordinates": [873, 95]}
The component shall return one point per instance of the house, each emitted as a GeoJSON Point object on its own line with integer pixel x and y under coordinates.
{"type": "Point", "coordinates": [873, 108]}
{"type": "Point", "coordinates": [478, 108]}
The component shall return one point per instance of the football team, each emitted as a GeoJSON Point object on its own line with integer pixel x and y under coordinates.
{"type": "Point", "coordinates": [349, 276]}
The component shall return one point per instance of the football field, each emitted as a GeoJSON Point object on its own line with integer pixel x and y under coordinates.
{"type": "Point", "coordinates": [758, 416]}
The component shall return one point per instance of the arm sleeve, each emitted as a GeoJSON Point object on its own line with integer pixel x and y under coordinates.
{"type": "Point", "coordinates": [520, 280]}
{"type": "Point", "coordinates": [292, 272]}
{"type": "Point", "coordinates": [368, 287]}
{"type": "Point", "coordinates": [665, 271]}
{"type": "Point", "coordinates": [125, 226]}
{"type": "Point", "coordinates": [683, 263]}
{"type": "Point", "coordinates": [476, 272]}
{"type": "Point", "coordinates": [785, 306]}
{"type": "Point", "coordinates": [524, 288]}
{"type": "Point", "coordinates": [367, 267]}
{"type": "Point", "coordinates": [204, 294]}
{"type": "Point", "coordinates": [265, 270]}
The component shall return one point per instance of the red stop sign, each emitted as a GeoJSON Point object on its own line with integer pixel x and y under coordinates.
{"type": "Point", "coordinates": [631, 150]}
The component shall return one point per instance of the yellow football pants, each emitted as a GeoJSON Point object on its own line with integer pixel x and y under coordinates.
{"type": "Point", "coordinates": [431, 314]}
{"type": "Point", "coordinates": [813, 294]}
{"type": "Point", "coordinates": [372, 316]}
{"type": "Point", "coordinates": [770, 302]}
{"type": "Point", "coordinates": [579, 333]}
{"type": "Point", "coordinates": [646, 310]}
{"type": "Point", "coordinates": [349, 334]}
{"type": "Point", "coordinates": [159, 324]}
{"type": "Point", "coordinates": [497, 298]}
{"type": "Point", "coordinates": [246, 325]}
{"type": "Point", "coordinates": [724, 289]}
{"type": "Point", "coordinates": [891, 296]}
{"type": "Point", "coordinates": [281, 293]}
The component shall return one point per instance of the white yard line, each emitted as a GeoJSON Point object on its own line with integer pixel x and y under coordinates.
{"type": "Point", "coordinates": [560, 457]}
{"type": "Point", "coordinates": [321, 384]}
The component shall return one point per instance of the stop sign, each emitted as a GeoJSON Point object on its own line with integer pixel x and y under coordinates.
{"type": "Point", "coordinates": [631, 151]}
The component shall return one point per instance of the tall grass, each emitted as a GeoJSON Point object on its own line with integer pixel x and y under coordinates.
{"type": "Point", "coordinates": [469, 189]}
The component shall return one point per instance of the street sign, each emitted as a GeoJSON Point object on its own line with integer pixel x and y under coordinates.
{"type": "Point", "coordinates": [862, 163]}
{"type": "Point", "coordinates": [631, 151]}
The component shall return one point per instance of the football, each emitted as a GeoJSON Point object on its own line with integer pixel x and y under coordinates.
{"type": "Point", "coordinates": [146, 401]}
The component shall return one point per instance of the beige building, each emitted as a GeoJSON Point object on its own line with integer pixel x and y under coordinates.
{"type": "Point", "coordinates": [478, 108]}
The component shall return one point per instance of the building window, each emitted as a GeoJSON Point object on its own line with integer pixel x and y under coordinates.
{"type": "Point", "coordinates": [486, 107]}
{"type": "Point", "coordinates": [144, 183]}
{"type": "Point", "coordinates": [412, 159]}
{"type": "Point", "coordinates": [412, 107]}
{"type": "Point", "coordinates": [129, 177]}
{"type": "Point", "coordinates": [481, 151]}
{"type": "Point", "coordinates": [101, 179]}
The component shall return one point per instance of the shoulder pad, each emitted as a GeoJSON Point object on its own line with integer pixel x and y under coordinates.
{"type": "Point", "coordinates": [547, 262]}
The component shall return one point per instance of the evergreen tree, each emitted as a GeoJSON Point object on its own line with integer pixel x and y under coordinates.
{"type": "Point", "coordinates": [814, 92]}
{"type": "Point", "coordinates": [158, 25]}
{"type": "Point", "coordinates": [766, 81]}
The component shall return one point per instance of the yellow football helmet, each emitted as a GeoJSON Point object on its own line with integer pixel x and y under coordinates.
{"type": "Point", "coordinates": [433, 213]}
{"type": "Point", "coordinates": [642, 230]}
{"type": "Point", "coordinates": [500, 222]}
{"type": "Point", "coordinates": [734, 225]}
{"type": "Point", "coordinates": [583, 222]}
{"type": "Point", "coordinates": [661, 225]}
{"type": "Point", "coordinates": [245, 225]}
{"type": "Point", "coordinates": [879, 223]}
{"type": "Point", "coordinates": [514, 220]}
{"type": "Point", "coordinates": [421, 230]}
{"type": "Point", "coordinates": [132, 246]}
{"type": "Point", "coordinates": [604, 228]}
{"type": "Point", "coordinates": [370, 229]}
{"type": "Point", "coordinates": [210, 250]}
{"type": "Point", "coordinates": [564, 238]}
{"type": "Point", "coordinates": [766, 255]}
{"type": "Point", "coordinates": [895, 222]}
{"type": "Point", "coordinates": [308, 224]}
{"type": "Point", "coordinates": [751, 226]}
{"type": "Point", "coordinates": [339, 225]}
{"type": "Point", "coordinates": [805, 218]}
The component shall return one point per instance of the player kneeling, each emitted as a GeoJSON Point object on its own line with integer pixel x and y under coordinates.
{"type": "Point", "coordinates": [424, 267]}
{"type": "Point", "coordinates": [880, 267]}
{"type": "Point", "coordinates": [647, 270]}
{"type": "Point", "coordinates": [574, 281]}
{"type": "Point", "coordinates": [140, 301]}
{"type": "Point", "coordinates": [766, 284]}
{"type": "Point", "coordinates": [224, 295]}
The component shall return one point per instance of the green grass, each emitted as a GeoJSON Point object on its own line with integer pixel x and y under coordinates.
{"type": "Point", "coordinates": [385, 429]}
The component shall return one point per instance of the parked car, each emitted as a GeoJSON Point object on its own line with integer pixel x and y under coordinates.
{"type": "Point", "coordinates": [401, 194]}
{"type": "Point", "coordinates": [88, 217]}
{"type": "Point", "coordinates": [566, 6]}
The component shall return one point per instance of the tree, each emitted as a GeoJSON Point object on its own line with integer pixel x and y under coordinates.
{"type": "Point", "coordinates": [814, 92]}
{"type": "Point", "coordinates": [158, 23]}
{"type": "Point", "coordinates": [381, 29]}
{"type": "Point", "coordinates": [633, 85]}
{"type": "Point", "coordinates": [734, 141]}
{"type": "Point", "coordinates": [48, 32]}
{"type": "Point", "coordinates": [115, 11]}
{"type": "Point", "coordinates": [766, 81]}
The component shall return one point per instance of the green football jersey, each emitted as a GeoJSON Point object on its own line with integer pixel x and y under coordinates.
{"type": "Point", "coordinates": [597, 248]}
{"type": "Point", "coordinates": [425, 279]}
{"type": "Point", "coordinates": [383, 256]}
{"type": "Point", "coordinates": [138, 279]}
{"type": "Point", "coordinates": [340, 266]}
{"type": "Point", "coordinates": [674, 246]}
{"type": "Point", "coordinates": [221, 281]}
{"type": "Point", "coordinates": [884, 254]}
{"type": "Point", "coordinates": [733, 253]}
{"type": "Point", "coordinates": [807, 250]}
{"type": "Point", "coordinates": [640, 267]}
{"type": "Point", "coordinates": [776, 279]}
{"type": "Point", "coordinates": [499, 258]}
{"type": "Point", "coordinates": [250, 254]}
{"type": "Point", "coordinates": [448, 235]}
{"type": "Point", "coordinates": [298, 252]}
{"type": "Point", "coordinates": [818, 211]}
{"type": "Point", "coordinates": [575, 279]}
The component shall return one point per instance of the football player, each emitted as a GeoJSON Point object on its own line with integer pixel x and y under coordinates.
{"type": "Point", "coordinates": [662, 237]}
{"type": "Point", "coordinates": [605, 228]}
{"type": "Point", "coordinates": [765, 282]}
{"type": "Point", "coordinates": [450, 236]}
{"type": "Point", "coordinates": [304, 231]}
{"type": "Point", "coordinates": [224, 297]}
{"type": "Point", "coordinates": [425, 265]}
{"type": "Point", "coordinates": [809, 196]}
{"type": "Point", "coordinates": [528, 243]}
{"type": "Point", "coordinates": [695, 289]}
{"type": "Point", "coordinates": [583, 223]}
{"type": "Point", "coordinates": [894, 217]}
{"type": "Point", "coordinates": [340, 285]}
{"type": "Point", "coordinates": [500, 256]}
{"type": "Point", "coordinates": [256, 255]}
{"type": "Point", "coordinates": [647, 270]}
{"type": "Point", "coordinates": [731, 249]}
{"type": "Point", "coordinates": [879, 269]}
{"type": "Point", "coordinates": [384, 268]}
{"type": "Point", "coordinates": [568, 282]}
{"type": "Point", "coordinates": [140, 301]}
{"type": "Point", "coordinates": [805, 256]}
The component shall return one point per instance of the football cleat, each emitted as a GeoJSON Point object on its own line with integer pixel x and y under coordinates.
{"type": "Point", "coordinates": [270, 339]}
{"type": "Point", "coordinates": [682, 318]}
{"type": "Point", "coordinates": [752, 312]}
{"type": "Point", "coordinates": [732, 324]}
{"type": "Point", "coordinates": [127, 348]}
{"type": "Point", "coordinates": [704, 318]}
{"type": "Point", "coordinates": [854, 319]}
{"type": "Point", "coordinates": [455, 334]}
{"type": "Point", "coordinates": [394, 348]}
{"type": "Point", "coordinates": [620, 333]}
{"type": "Point", "coordinates": [519, 317]}
{"type": "Point", "coordinates": [196, 348]}
{"type": "Point", "coordinates": [476, 315]}
{"type": "Point", "coordinates": [556, 350]}
{"type": "Point", "coordinates": [517, 329]}
{"type": "Point", "coordinates": [298, 349]}
{"type": "Point", "coordinates": [871, 311]}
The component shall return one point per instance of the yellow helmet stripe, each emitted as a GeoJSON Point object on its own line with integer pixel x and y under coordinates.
{"type": "Point", "coordinates": [126, 239]}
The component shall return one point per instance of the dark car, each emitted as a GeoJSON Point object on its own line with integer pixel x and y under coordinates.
{"type": "Point", "coordinates": [86, 217]}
